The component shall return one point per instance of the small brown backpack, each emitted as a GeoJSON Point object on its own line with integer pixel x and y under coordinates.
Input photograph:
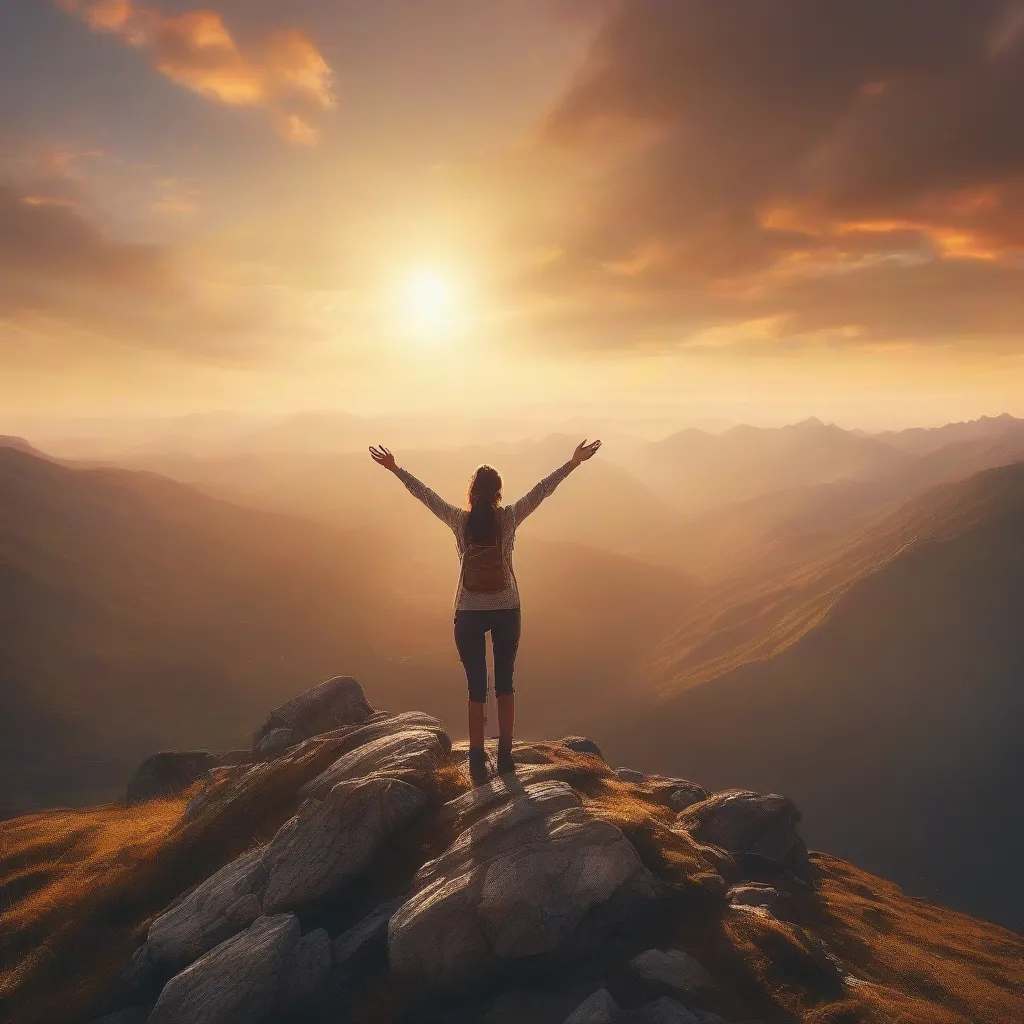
{"type": "Point", "coordinates": [483, 567]}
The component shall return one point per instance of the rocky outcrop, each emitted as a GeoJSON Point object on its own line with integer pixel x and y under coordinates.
{"type": "Point", "coordinates": [335, 702]}
{"type": "Point", "coordinates": [673, 968]}
{"type": "Point", "coordinates": [169, 773]}
{"type": "Point", "coordinates": [410, 749]}
{"type": "Point", "coordinates": [518, 883]}
{"type": "Point", "coordinates": [582, 745]}
{"type": "Point", "coordinates": [241, 981]}
{"type": "Point", "coordinates": [686, 794]}
{"type": "Point", "coordinates": [530, 869]}
{"type": "Point", "coordinates": [750, 824]}
{"type": "Point", "coordinates": [212, 912]}
{"type": "Point", "coordinates": [331, 840]}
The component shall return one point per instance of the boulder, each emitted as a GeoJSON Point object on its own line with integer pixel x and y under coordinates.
{"type": "Point", "coordinates": [599, 1008]}
{"type": "Point", "coordinates": [755, 824]}
{"type": "Point", "coordinates": [416, 749]}
{"type": "Point", "coordinates": [307, 968]}
{"type": "Point", "coordinates": [672, 968]}
{"type": "Point", "coordinates": [213, 911]}
{"type": "Point", "coordinates": [277, 741]}
{"type": "Point", "coordinates": [686, 794]}
{"type": "Point", "coordinates": [381, 723]}
{"type": "Point", "coordinates": [370, 932]}
{"type": "Point", "coordinates": [169, 773]}
{"type": "Point", "coordinates": [631, 775]}
{"type": "Point", "coordinates": [237, 982]}
{"type": "Point", "coordinates": [331, 840]}
{"type": "Point", "coordinates": [555, 882]}
{"type": "Point", "coordinates": [582, 745]}
{"type": "Point", "coordinates": [523, 817]}
{"type": "Point", "coordinates": [335, 702]}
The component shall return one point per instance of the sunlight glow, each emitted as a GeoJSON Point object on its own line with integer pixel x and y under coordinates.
{"type": "Point", "coordinates": [427, 302]}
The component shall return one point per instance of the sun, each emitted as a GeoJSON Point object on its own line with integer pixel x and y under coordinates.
{"type": "Point", "coordinates": [427, 302]}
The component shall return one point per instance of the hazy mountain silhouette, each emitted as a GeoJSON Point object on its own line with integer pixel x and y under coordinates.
{"type": "Point", "coordinates": [882, 688]}
{"type": "Point", "coordinates": [697, 470]}
{"type": "Point", "coordinates": [138, 613]}
{"type": "Point", "coordinates": [921, 440]}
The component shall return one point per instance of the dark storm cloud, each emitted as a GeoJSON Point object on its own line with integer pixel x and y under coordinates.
{"type": "Point", "coordinates": [784, 147]}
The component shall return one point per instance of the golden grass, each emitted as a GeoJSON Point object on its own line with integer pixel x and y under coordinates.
{"type": "Point", "coordinates": [78, 889]}
{"type": "Point", "coordinates": [925, 964]}
{"type": "Point", "coordinates": [61, 874]}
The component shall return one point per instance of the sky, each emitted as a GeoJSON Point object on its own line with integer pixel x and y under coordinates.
{"type": "Point", "coordinates": [761, 211]}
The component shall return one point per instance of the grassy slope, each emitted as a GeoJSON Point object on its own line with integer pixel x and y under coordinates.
{"type": "Point", "coordinates": [79, 886]}
{"type": "Point", "coordinates": [891, 715]}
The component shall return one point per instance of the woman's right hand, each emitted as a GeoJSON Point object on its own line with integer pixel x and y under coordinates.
{"type": "Point", "coordinates": [383, 457]}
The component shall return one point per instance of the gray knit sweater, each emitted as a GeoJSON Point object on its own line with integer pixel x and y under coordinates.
{"type": "Point", "coordinates": [509, 518]}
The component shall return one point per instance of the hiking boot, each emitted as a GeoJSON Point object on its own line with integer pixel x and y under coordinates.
{"type": "Point", "coordinates": [506, 765]}
{"type": "Point", "coordinates": [477, 766]}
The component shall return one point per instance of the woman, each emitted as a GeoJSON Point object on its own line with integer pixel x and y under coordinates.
{"type": "Point", "coordinates": [487, 597]}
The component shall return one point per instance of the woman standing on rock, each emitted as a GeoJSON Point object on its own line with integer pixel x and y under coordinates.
{"type": "Point", "coordinates": [487, 597]}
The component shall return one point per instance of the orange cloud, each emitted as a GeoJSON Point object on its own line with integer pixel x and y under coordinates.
{"type": "Point", "coordinates": [284, 73]}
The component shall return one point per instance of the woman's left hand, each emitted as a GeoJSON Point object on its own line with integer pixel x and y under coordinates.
{"type": "Point", "coordinates": [585, 451]}
{"type": "Point", "coordinates": [383, 457]}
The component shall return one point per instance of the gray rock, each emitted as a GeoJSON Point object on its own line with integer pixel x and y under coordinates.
{"type": "Point", "coordinates": [169, 773]}
{"type": "Point", "coordinates": [686, 794]}
{"type": "Point", "coordinates": [371, 931]}
{"type": "Point", "coordinates": [522, 818]}
{"type": "Point", "coordinates": [276, 741]}
{"type": "Point", "coordinates": [212, 912]}
{"type": "Point", "coordinates": [335, 702]}
{"type": "Point", "coordinates": [600, 1008]}
{"type": "Point", "coordinates": [674, 968]}
{"type": "Point", "coordinates": [746, 823]}
{"type": "Point", "coordinates": [237, 982]}
{"type": "Point", "coordinates": [631, 775]}
{"type": "Point", "coordinates": [331, 840]}
{"type": "Point", "coordinates": [307, 969]}
{"type": "Point", "coordinates": [707, 1017]}
{"type": "Point", "coordinates": [415, 749]}
{"type": "Point", "coordinates": [753, 894]}
{"type": "Point", "coordinates": [383, 724]}
{"type": "Point", "coordinates": [661, 1011]}
{"type": "Point", "coordinates": [524, 897]}
{"type": "Point", "coordinates": [582, 745]}
{"type": "Point", "coordinates": [497, 790]}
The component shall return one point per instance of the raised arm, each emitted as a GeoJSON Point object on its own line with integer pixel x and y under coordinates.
{"type": "Point", "coordinates": [529, 501]}
{"type": "Point", "coordinates": [448, 514]}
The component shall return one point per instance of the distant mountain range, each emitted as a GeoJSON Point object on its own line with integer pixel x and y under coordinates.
{"type": "Point", "coordinates": [883, 687]}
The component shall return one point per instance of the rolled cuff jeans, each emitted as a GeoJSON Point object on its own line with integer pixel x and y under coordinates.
{"type": "Point", "coordinates": [471, 629]}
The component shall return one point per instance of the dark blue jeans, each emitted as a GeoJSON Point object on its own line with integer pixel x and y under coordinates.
{"type": "Point", "coordinates": [471, 629]}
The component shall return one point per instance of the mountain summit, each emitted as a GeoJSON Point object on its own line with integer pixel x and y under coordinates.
{"type": "Point", "coordinates": [340, 870]}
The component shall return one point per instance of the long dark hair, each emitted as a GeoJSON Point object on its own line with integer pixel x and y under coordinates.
{"type": "Point", "coordinates": [484, 498]}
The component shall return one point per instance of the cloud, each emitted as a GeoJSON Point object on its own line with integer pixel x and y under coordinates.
{"type": "Point", "coordinates": [283, 73]}
{"type": "Point", "coordinates": [785, 157]}
{"type": "Point", "coordinates": [77, 290]}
